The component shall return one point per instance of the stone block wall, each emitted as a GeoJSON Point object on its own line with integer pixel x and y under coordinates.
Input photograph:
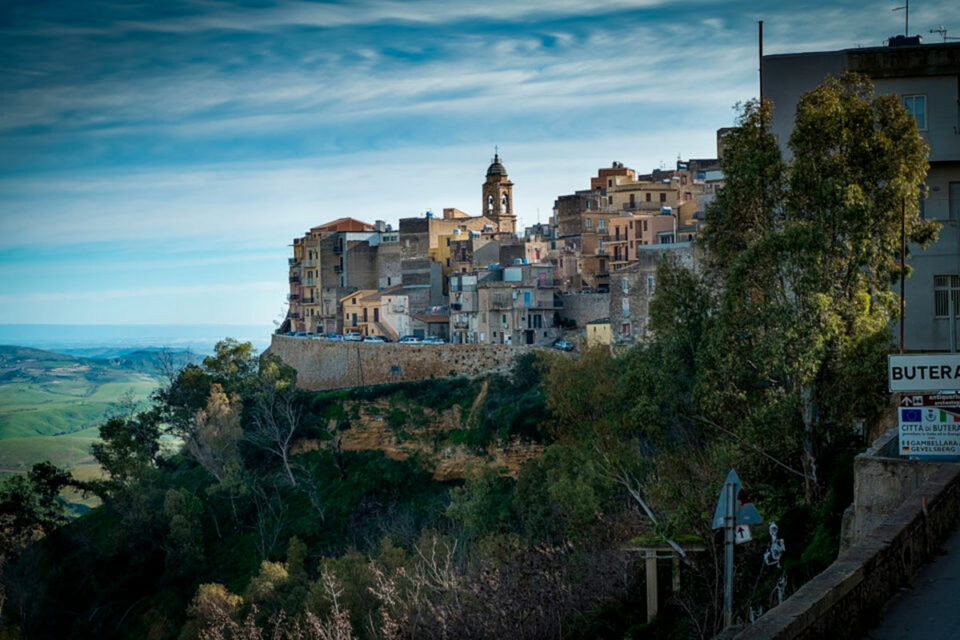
{"type": "Point", "coordinates": [845, 600]}
{"type": "Point", "coordinates": [325, 365]}
{"type": "Point", "coordinates": [882, 481]}
{"type": "Point", "coordinates": [585, 307]}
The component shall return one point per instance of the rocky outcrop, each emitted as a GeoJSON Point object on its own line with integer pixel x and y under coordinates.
{"type": "Point", "coordinates": [403, 430]}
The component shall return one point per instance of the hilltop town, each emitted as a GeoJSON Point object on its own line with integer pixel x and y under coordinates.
{"type": "Point", "coordinates": [475, 279]}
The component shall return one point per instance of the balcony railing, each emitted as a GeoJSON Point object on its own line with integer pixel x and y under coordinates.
{"type": "Point", "coordinates": [291, 261]}
{"type": "Point", "coordinates": [293, 297]}
{"type": "Point", "coordinates": [294, 279]}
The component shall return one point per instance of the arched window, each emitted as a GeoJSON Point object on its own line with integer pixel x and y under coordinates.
{"type": "Point", "coordinates": [490, 203]}
{"type": "Point", "coordinates": [503, 203]}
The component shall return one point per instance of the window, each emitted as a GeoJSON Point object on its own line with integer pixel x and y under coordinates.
{"type": "Point", "coordinates": [600, 224]}
{"type": "Point", "coordinates": [954, 203]}
{"type": "Point", "coordinates": [609, 199]}
{"type": "Point", "coordinates": [917, 107]}
{"type": "Point", "coordinates": [651, 284]}
{"type": "Point", "coordinates": [503, 203]}
{"type": "Point", "coordinates": [625, 285]}
{"type": "Point", "coordinates": [943, 288]}
{"type": "Point", "coordinates": [663, 197]}
{"type": "Point", "coordinates": [586, 223]}
{"type": "Point", "coordinates": [609, 183]}
{"type": "Point", "coordinates": [490, 203]}
{"type": "Point", "coordinates": [448, 242]}
{"type": "Point", "coordinates": [648, 196]}
{"type": "Point", "coordinates": [683, 179]}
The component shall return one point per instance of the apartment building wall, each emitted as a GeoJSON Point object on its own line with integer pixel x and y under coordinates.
{"type": "Point", "coordinates": [933, 72]}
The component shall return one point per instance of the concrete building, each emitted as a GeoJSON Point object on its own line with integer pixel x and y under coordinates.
{"type": "Point", "coordinates": [598, 333]}
{"type": "Point", "coordinates": [926, 77]}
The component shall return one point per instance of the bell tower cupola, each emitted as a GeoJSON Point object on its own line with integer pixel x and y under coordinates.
{"type": "Point", "coordinates": [498, 197]}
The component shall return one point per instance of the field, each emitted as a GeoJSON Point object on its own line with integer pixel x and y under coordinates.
{"type": "Point", "coordinates": [51, 404]}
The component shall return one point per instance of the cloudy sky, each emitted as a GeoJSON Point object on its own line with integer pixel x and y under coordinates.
{"type": "Point", "coordinates": [156, 158]}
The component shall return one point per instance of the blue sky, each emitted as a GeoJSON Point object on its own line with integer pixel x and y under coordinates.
{"type": "Point", "coordinates": [156, 158]}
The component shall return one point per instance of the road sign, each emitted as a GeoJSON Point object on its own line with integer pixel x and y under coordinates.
{"type": "Point", "coordinates": [929, 425]}
{"type": "Point", "coordinates": [742, 534]}
{"type": "Point", "coordinates": [746, 512]}
{"type": "Point", "coordinates": [938, 372]}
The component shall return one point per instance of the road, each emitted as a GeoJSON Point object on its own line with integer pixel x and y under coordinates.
{"type": "Point", "coordinates": [931, 609]}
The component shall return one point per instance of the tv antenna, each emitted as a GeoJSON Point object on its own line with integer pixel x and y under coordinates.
{"type": "Point", "coordinates": [906, 16]}
{"type": "Point", "coordinates": [943, 33]}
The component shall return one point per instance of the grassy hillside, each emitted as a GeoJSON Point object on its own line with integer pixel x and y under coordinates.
{"type": "Point", "coordinates": [51, 403]}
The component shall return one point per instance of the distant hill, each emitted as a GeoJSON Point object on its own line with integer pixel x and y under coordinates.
{"type": "Point", "coordinates": [51, 403]}
{"type": "Point", "coordinates": [151, 360]}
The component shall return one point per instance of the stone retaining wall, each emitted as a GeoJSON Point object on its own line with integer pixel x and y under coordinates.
{"type": "Point", "coordinates": [323, 365]}
{"type": "Point", "coordinates": [845, 600]}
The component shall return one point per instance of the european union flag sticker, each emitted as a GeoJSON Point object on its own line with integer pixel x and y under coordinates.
{"type": "Point", "coordinates": [911, 415]}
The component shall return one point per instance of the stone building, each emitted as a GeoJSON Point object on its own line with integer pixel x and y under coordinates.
{"type": "Point", "coordinates": [633, 286]}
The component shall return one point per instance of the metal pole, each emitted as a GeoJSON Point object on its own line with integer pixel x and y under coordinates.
{"type": "Point", "coordinates": [903, 252]}
{"type": "Point", "coordinates": [953, 318]}
{"type": "Point", "coordinates": [730, 523]}
{"type": "Point", "coordinates": [760, 26]}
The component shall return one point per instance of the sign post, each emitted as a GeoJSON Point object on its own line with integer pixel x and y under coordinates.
{"type": "Point", "coordinates": [733, 512]}
{"type": "Point", "coordinates": [929, 421]}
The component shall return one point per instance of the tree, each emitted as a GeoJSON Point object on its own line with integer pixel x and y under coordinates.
{"type": "Point", "coordinates": [276, 412]}
{"type": "Point", "coordinates": [805, 254]}
{"type": "Point", "coordinates": [232, 364]}
{"type": "Point", "coordinates": [214, 442]}
{"type": "Point", "coordinates": [30, 506]}
{"type": "Point", "coordinates": [127, 447]}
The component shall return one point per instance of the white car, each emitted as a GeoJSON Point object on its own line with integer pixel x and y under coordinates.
{"type": "Point", "coordinates": [374, 339]}
{"type": "Point", "coordinates": [434, 340]}
{"type": "Point", "coordinates": [353, 336]}
{"type": "Point", "coordinates": [409, 340]}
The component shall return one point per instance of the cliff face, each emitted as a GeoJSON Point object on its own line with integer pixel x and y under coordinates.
{"type": "Point", "coordinates": [440, 439]}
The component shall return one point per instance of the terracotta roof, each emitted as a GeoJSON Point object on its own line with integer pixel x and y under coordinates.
{"type": "Point", "coordinates": [384, 292]}
{"type": "Point", "coordinates": [345, 224]}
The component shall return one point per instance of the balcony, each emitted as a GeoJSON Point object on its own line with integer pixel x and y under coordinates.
{"type": "Point", "coordinates": [291, 261]}
{"type": "Point", "coordinates": [293, 297]}
{"type": "Point", "coordinates": [294, 279]}
{"type": "Point", "coordinates": [461, 325]}
{"type": "Point", "coordinates": [338, 247]}
{"type": "Point", "coordinates": [310, 301]}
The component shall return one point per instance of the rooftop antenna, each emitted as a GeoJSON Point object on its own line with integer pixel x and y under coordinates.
{"type": "Point", "coordinates": [906, 16]}
{"type": "Point", "coordinates": [943, 33]}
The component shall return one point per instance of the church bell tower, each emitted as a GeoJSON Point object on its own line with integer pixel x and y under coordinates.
{"type": "Point", "coordinates": [498, 197]}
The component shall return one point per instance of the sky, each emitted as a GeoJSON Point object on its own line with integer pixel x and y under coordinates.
{"type": "Point", "coordinates": [157, 158]}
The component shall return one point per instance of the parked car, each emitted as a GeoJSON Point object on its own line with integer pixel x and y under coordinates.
{"type": "Point", "coordinates": [334, 337]}
{"type": "Point", "coordinates": [433, 340]}
{"type": "Point", "coordinates": [374, 339]}
{"type": "Point", "coordinates": [563, 345]}
{"type": "Point", "coordinates": [303, 334]}
{"type": "Point", "coordinates": [409, 340]}
{"type": "Point", "coordinates": [353, 336]}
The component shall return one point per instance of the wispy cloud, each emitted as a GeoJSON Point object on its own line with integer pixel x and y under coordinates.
{"type": "Point", "coordinates": [211, 122]}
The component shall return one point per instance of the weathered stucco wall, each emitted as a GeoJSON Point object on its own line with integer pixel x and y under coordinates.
{"type": "Point", "coordinates": [844, 600]}
{"type": "Point", "coordinates": [325, 365]}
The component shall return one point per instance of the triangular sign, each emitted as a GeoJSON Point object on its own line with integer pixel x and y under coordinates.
{"type": "Point", "coordinates": [720, 512]}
